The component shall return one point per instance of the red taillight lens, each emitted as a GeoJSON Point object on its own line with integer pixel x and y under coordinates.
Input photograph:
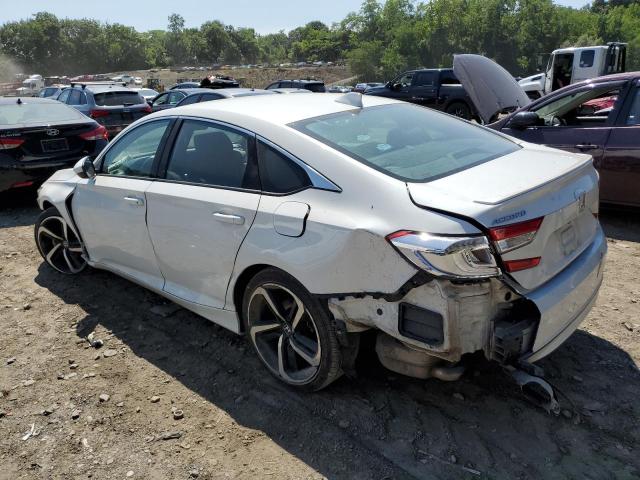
{"type": "Point", "coordinates": [522, 264]}
{"type": "Point", "coordinates": [10, 143]}
{"type": "Point", "coordinates": [21, 184]}
{"type": "Point", "coordinates": [98, 113]}
{"type": "Point", "coordinates": [99, 133]}
{"type": "Point", "coordinates": [147, 109]}
{"type": "Point", "coordinates": [516, 235]}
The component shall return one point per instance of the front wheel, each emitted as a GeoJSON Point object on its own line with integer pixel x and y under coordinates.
{"type": "Point", "coordinates": [58, 244]}
{"type": "Point", "coordinates": [291, 332]}
{"type": "Point", "coordinates": [459, 109]}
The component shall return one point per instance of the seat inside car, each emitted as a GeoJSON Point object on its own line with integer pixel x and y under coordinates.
{"type": "Point", "coordinates": [211, 160]}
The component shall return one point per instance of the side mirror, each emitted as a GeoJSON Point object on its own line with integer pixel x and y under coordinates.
{"type": "Point", "coordinates": [522, 120]}
{"type": "Point", "coordinates": [396, 87]}
{"type": "Point", "coordinates": [85, 168]}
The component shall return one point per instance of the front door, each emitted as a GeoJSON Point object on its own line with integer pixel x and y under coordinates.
{"type": "Point", "coordinates": [579, 121]}
{"type": "Point", "coordinates": [200, 213]}
{"type": "Point", "coordinates": [111, 208]}
{"type": "Point", "coordinates": [424, 89]}
{"type": "Point", "coordinates": [620, 165]}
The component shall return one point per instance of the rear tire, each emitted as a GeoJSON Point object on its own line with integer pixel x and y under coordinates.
{"type": "Point", "coordinates": [58, 244]}
{"type": "Point", "coordinates": [459, 109]}
{"type": "Point", "coordinates": [290, 331]}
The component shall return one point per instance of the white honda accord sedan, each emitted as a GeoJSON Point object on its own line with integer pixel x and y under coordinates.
{"type": "Point", "coordinates": [302, 222]}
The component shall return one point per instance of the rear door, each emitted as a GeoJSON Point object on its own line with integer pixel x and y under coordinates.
{"type": "Point", "coordinates": [111, 208]}
{"type": "Point", "coordinates": [200, 213]}
{"type": "Point", "coordinates": [620, 165]}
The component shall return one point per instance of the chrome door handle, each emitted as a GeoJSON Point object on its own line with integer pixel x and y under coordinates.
{"type": "Point", "coordinates": [228, 218]}
{"type": "Point", "coordinates": [134, 201]}
{"type": "Point", "coordinates": [586, 147]}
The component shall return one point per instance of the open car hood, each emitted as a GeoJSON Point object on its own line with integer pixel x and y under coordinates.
{"type": "Point", "coordinates": [490, 87]}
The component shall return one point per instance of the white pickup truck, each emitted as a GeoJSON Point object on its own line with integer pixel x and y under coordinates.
{"type": "Point", "coordinates": [571, 65]}
{"type": "Point", "coordinates": [31, 86]}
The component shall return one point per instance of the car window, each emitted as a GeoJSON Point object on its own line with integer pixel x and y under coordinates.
{"type": "Point", "coordinates": [590, 107]}
{"type": "Point", "coordinates": [74, 98]}
{"type": "Point", "coordinates": [64, 96]}
{"type": "Point", "coordinates": [175, 97]}
{"type": "Point", "coordinates": [210, 154]}
{"type": "Point", "coordinates": [586, 58]}
{"type": "Point", "coordinates": [115, 99]}
{"type": "Point", "coordinates": [162, 99]}
{"type": "Point", "coordinates": [425, 79]}
{"type": "Point", "coordinates": [406, 141]}
{"type": "Point", "coordinates": [315, 87]}
{"type": "Point", "coordinates": [38, 113]}
{"type": "Point", "coordinates": [404, 79]}
{"type": "Point", "coordinates": [634, 113]}
{"type": "Point", "coordinates": [206, 97]}
{"type": "Point", "coordinates": [448, 78]}
{"type": "Point", "coordinates": [279, 174]}
{"type": "Point", "coordinates": [188, 100]}
{"type": "Point", "coordinates": [133, 154]}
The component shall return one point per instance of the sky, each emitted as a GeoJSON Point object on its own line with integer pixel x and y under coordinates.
{"type": "Point", "coordinates": [263, 15]}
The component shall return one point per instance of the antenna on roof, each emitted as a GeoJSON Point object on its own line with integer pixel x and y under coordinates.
{"type": "Point", "coordinates": [352, 98]}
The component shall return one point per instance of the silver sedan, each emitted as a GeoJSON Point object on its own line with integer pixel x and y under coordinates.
{"type": "Point", "coordinates": [304, 222]}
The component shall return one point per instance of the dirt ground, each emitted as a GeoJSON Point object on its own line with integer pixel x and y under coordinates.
{"type": "Point", "coordinates": [239, 422]}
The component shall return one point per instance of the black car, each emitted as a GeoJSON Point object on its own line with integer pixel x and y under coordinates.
{"type": "Point", "coordinates": [171, 98]}
{"type": "Point", "coordinates": [198, 95]}
{"type": "Point", "coordinates": [436, 88]}
{"type": "Point", "coordinates": [39, 136]}
{"type": "Point", "coordinates": [183, 85]}
{"type": "Point", "coordinates": [109, 103]}
{"type": "Point", "coordinates": [316, 86]}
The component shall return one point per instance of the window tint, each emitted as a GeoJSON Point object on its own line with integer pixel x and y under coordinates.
{"type": "Point", "coordinates": [406, 141]}
{"type": "Point", "coordinates": [209, 154]}
{"type": "Point", "coordinates": [33, 113]}
{"type": "Point", "coordinates": [114, 99]}
{"type": "Point", "coordinates": [634, 114]}
{"type": "Point", "coordinates": [448, 78]}
{"type": "Point", "coordinates": [279, 174]}
{"type": "Point", "coordinates": [425, 79]}
{"type": "Point", "coordinates": [133, 154]}
{"type": "Point", "coordinates": [315, 87]}
{"type": "Point", "coordinates": [405, 79]}
{"type": "Point", "coordinates": [74, 98]}
{"type": "Point", "coordinates": [162, 99]}
{"type": "Point", "coordinates": [586, 58]}
{"type": "Point", "coordinates": [206, 97]}
{"type": "Point", "coordinates": [189, 100]}
{"type": "Point", "coordinates": [64, 96]}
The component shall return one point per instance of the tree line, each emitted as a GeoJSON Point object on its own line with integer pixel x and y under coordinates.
{"type": "Point", "coordinates": [379, 40]}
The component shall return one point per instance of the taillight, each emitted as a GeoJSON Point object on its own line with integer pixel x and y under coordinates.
{"type": "Point", "coordinates": [10, 143]}
{"type": "Point", "coordinates": [98, 113]}
{"type": "Point", "coordinates": [444, 256]}
{"type": "Point", "coordinates": [521, 264]}
{"type": "Point", "coordinates": [99, 133]}
{"type": "Point", "coordinates": [147, 109]}
{"type": "Point", "coordinates": [516, 235]}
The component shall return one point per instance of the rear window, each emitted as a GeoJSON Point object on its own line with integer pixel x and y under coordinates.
{"type": "Point", "coordinates": [114, 99]}
{"type": "Point", "coordinates": [33, 113]}
{"type": "Point", "coordinates": [314, 87]}
{"type": "Point", "coordinates": [407, 142]}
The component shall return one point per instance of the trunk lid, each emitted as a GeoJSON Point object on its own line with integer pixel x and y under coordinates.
{"type": "Point", "coordinates": [533, 182]}
{"type": "Point", "coordinates": [491, 88]}
{"type": "Point", "coordinates": [53, 141]}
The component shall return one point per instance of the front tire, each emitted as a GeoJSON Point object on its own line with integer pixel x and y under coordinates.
{"type": "Point", "coordinates": [290, 330]}
{"type": "Point", "coordinates": [58, 244]}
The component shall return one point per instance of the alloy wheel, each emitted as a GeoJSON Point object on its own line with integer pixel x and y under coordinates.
{"type": "Point", "coordinates": [60, 246]}
{"type": "Point", "coordinates": [284, 333]}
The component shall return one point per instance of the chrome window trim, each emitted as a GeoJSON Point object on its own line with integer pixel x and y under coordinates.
{"type": "Point", "coordinates": [318, 180]}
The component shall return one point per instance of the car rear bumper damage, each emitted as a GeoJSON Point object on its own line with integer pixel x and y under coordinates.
{"type": "Point", "coordinates": [437, 322]}
{"type": "Point", "coordinates": [19, 174]}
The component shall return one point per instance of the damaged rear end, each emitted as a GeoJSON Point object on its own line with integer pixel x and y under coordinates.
{"type": "Point", "coordinates": [516, 290]}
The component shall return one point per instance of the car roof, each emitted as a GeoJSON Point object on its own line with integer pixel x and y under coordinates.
{"type": "Point", "coordinates": [14, 100]}
{"type": "Point", "coordinates": [273, 109]}
{"type": "Point", "coordinates": [301, 80]}
{"type": "Point", "coordinates": [618, 77]}
{"type": "Point", "coordinates": [102, 88]}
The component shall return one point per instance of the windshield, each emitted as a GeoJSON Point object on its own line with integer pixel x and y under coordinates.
{"type": "Point", "coordinates": [408, 142]}
{"type": "Point", "coordinates": [46, 113]}
{"type": "Point", "coordinates": [113, 99]}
